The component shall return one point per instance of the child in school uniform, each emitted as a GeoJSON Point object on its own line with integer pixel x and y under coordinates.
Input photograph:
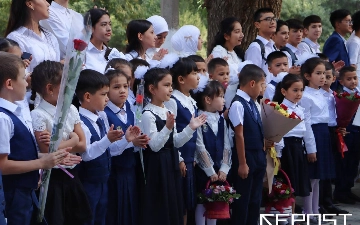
{"type": "Point", "coordinates": [213, 151]}
{"type": "Point", "coordinates": [201, 64]}
{"type": "Point", "coordinates": [161, 30]}
{"type": "Point", "coordinates": [163, 200]}
{"type": "Point", "coordinates": [249, 157]}
{"type": "Point", "coordinates": [187, 41]}
{"type": "Point", "coordinates": [295, 36]}
{"type": "Point", "coordinates": [66, 201]}
{"type": "Point", "coordinates": [19, 158]}
{"type": "Point", "coordinates": [312, 32]}
{"type": "Point", "coordinates": [92, 90]}
{"type": "Point", "coordinates": [123, 194]}
{"type": "Point", "coordinates": [320, 159]}
{"type": "Point", "coordinates": [219, 70]}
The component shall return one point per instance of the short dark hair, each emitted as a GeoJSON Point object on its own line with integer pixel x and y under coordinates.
{"type": "Point", "coordinates": [196, 58]}
{"type": "Point", "coordinates": [295, 24]}
{"type": "Point", "coordinates": [275, 55]}
{"type": "Point", "coordinates": [111, 74]}
{"type": "Point", "coordinates": [90, 81]}
{"type": "Point", "coordinates": [212, 89]}
{"type": "Point", "coordinates": [153, 77]}
{"type": "Point", "coordinates": [311, 19]}
{"type": "Point", "coordinates": [183, 67]}
{"type": "Point", "coordinates": [322, 56]}
{"type": "Point", "coordinates": [216, 62]}
{"type": "Point", "coordinates": [330, 66]}
{"type": "Point", "coordinates": [356, 21]}
{"type": "Point", "coordinates": [250, 72]}
{"type": "Point", "coordinates": [338, 15]}
{"type": "Point", "coordinates": [279, 24]}
{"type": "Point", "coordinates": [260, 12]}
{"type": "Point", "coordinates": [9, 67]}
{"type": "Point", "coordinates": [6, 44]}
{"type": "Point", "coordinates": [345, 70]}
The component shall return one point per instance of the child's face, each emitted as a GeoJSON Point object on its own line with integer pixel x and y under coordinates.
{"type": "Point", "coordinates": [329, 79]}
{"type": "Point", "coordinates": [216, 104]}
{"type": "Point", "coordinates": [236, 35]}
{"type": "Point", "coordinates": [268, 27]}
{"type": "Point", "coordinates": [317, 77]}
{"type": "Point", "coordinates": [200, 43]}
{"type": "Point", "coordinates": [19, 85]}
{"type": "Point", "coordinates": [16, 51]}
{"type": "Point", "coordinates": [102, 30]}
{"type": "Point", "coordinates": [128, 71]}
{"type": "Point", "coordinates": [294, 92]}
{"type": "Point", "coordinates": [162, 92]}
{"type": "Point", "coordinates": [118, 91]}
{"type": "Point", "coordinates": [221, 74]}
{"type": "Point", "coordinates": [191, 80]}
{"type": "Point", "coordinates": [52, 93]}
{"type": "Point", "coordinates": [160, 39]}
{"type": "Point", "coordinates": [201, 68]}
{"type": "Point", "coordinates": [148, 39]}
{"type": "Point", "coordinates": [279, 65]}
{"type": "Point", "coordinates": [99, 100]}
{"type": "Point", "coordinates": [282, 36]}
{"type": "Point", "coordinates": [295, 36]}
{"type": "Point", "coordinates": [313, 32]}
{"type": "Point", "coordinates": [349, 80]}
{"type": "Point", "coordinates": [257, 88]}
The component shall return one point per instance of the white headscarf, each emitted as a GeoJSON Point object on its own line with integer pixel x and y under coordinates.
{"type": "Point", "coordinates": [185, 40]}
{"type": "Point", "coordinates": [159, 23]}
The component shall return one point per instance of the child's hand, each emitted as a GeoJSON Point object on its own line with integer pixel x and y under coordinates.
{"type": "Point", "coordinates": [141, 141]}
{"type": "Point", "coordinates": [295, 70]}
{"type": "Point", "coordinates": [268, 144]}
{"type": "Point", "coordinates": [170, 121]}
{"type": "Point", "coordinates": [342, 131]}
{"type": "Point", "coordinates": [71, 160]}
{"type": "Point", "coordinates": [338, 65]}
{"type": "Point", "coordinates": [160, 54]}
{"type": "Point", "coordinates": [243, 171]}
{"type": "Point", "coordinates": [197, 122]}
{"type": "Point", "coordinates": [45, 137]}
{"type": "Point", "coordinates": [114, 135]}
{"type": "Point", "coordinates": [132, 132]}
{"type": "Point", "coordinates": [214, 178]}
{"type": "Point", "coordinates": [182, 168]}
{"type": "Point", "coordinates": [210, 57]}
{"type": "Point", "coordinates": [222, 176]}
{"type": "Point", "coordinates": [26, 63]}
{"type": "Point", "coordinates": [49, 160]}
{"type": "Point", "coordinates": [312, 157]}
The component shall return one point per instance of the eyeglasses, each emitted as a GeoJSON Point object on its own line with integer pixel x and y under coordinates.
{"type": "Point", "coordinates": [269, 19]}
{"type": "Point", "coordinates": [350, 22]}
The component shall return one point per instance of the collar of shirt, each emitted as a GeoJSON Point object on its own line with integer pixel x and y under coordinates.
{"type": "Point", "coordinates": [59, 8]}
{"type": "Point", "coordinates": [22, 30]}
{"type": "Point", "coordinates": [93, 117]}
{"type": "Point", "coordinates": [312, 90]}
{"type": "Point", "coordinates": [51, 109]}
{"type": "Point", "coordinates": [342, 38]}
{"type": "Point", "coordinates": [351, 91]}
{"type": "Point", "coordinates": [266, 42]}
{"type": "Point", "coordinates": [91, 47]}
{"type": "Point", "coordinates": [243, 94]}
{"type": "Point", "coordinates": [115, 108]}
{"type": "Point", "coordinates": [314, 45]}
{"type": "Point", "coordinates": [210, 116]}
{"type": "Point", "coordinates": [293, 49]}
{"type": "Point", "coordinates": [12, 107]}
{"type": "Point", "coordinates": [289, 104]}
{"type": "Point", "coordinates": [183, 99]}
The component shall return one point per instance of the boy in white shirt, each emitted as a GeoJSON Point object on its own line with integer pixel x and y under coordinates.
{"type": "Point", "coordinates": [295, 37]}
{"type": "Point", "coordinates": [312, 32]}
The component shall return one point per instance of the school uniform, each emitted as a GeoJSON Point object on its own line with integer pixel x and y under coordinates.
{"type": "Point", "coordinates": [162, 197]}
{"type": "Point", "coordinates": [148, 58]}
{"type": "Point", "coordinates": [2, 203]}
{"type": "Point", "coordinates": [243, 112]}
{"type": "Point", "coordinates": [184, 107]}
{"type": "Point", "coordinates": [353, 45]}
{"type": "Point", "coordinates": [316, 107]}
{"type": "Point", "coordinates": [295, 50]}
{"type": "Point", "coordinates": [271, 86]}
{"type": "Point", "coordinates": [95, 58]}
{"type": "Point", "coordinates": [60, 22]}
{"type": "Point", "coordinates": [123, 194]}
{"type": "Point", "coordinates": [309, 46]}
{"type": "Point", "coordinates": [18, 142]}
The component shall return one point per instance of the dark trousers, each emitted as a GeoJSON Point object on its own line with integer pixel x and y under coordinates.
{"type": "Point", "coordinates": [246, 209]}
{"type": "Point", "coordinates": [98, 198]}
{"type": "Point", "coordinates": [325, 193]}
{"type": "Point", "coordinates": [347, 167]}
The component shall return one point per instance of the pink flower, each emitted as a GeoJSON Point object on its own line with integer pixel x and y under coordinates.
{"type": "Point", "coordinates": [222, 188]}
{"type": "Point", "coordinates": [216, 191]}
{"type": "Point", "coordinates": [231, 200]}
{"type": "Point", "coordinates": [282, 191]}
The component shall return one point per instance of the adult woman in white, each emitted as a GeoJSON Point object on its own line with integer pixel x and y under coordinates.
{"type": "Point", "coordinates": [187, 41]}
{"type": "Point", "coordinates": [161, 30]}
{"type": "Point", "coordinates": [23, 27]}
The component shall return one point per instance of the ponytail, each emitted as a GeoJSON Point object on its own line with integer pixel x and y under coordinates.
{"type": "Point", "coordinates": [32, 99]}
{"type": "Point", "coordinates": [278, 96]}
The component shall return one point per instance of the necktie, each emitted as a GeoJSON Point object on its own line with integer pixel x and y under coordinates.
{"type": "Point", "coordinates": [253, 108]}
{"type": "Point", "coordinates": [101, 125]}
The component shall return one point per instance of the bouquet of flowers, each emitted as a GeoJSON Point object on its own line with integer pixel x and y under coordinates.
{"type": "Point", "coordinates": [216, 199]}
{"type": "Point", "coordinates": [346, 106]}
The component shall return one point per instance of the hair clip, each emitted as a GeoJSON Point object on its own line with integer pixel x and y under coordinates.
{"type": "Point", "coordinates": [140, 72]}
{"type": "Point", "coordinates": [109, 69]}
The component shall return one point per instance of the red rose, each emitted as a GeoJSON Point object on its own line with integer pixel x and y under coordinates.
{"type": "Point", "coordinates": [272, 104]}
{"type": "Point", "coordinates": [283, 106]}
{"type": "Point", "coordinates": [266, 101]}
{"type": "Point", "coordinates": [139, 99]}
{"type": "Point", "coordinates": [79, 45]}
{"type": "Point", "coordinates": [345, 94]}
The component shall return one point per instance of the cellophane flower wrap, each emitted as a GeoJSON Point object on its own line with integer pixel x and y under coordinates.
{"type": "Point", "coordinates": [79, 38]}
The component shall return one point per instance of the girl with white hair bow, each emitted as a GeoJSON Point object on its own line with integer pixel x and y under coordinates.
{"type": "Point", "coordinates": [187, 41]}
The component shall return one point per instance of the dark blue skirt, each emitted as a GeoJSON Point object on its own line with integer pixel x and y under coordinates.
{"type": "Point", "coordinates": [189, 187]}
{"type": "Point", "coordinates": [324, 167]}
{"type": "Point", "coordinates": [123, 197]}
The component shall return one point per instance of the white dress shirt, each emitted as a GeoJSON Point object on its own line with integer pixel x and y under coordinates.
{"type": "Point", "coordinates": [353, 46]}
{"type": "Point", "coordinates": [95, 58]}
{"type": "Point", "coordinates": [270, 88]}
{"type": "Point", "coordinates": [315, 103]}
{"type": "Point", "coordinates": [295, 50]}
{"type": "Point", "coordinates": [44, 47]}
{"type": "Point", "coordinates": [331, 106]}
{"type": "Point", "coordinates": [7, 125]}
{"type": "Point", "coordinates": [60, 21]}
{"type": "Point", "coordinates": [309, 46]}
{"type": "Point", "coordinates": [236, 111]}
{"type": "Point", "coordinates": [202, 156]}
{"type": "Point", "coordinates": [253, 53]}
{"type": "Point", "coordinates": [134, 55]}
{"type": "Point", "coordinates": [186, 101]}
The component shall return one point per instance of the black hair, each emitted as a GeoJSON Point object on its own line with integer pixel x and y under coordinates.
{"type": "Point", "coordinates": [275, 55]}
{"type": "Point", "coordinates": [132, 30]}
{"type": "Point", "coordinates": [286, 83]}
{"type": "Point", "coordinates": [295, 24]}
{"type": "Point", "coordinates": [338, 16]}
{"type": "Point", "coordinates": [196, 58]}
{"type": "Point", "coordinates": [135, 63]}
{"type": "Point", "coordinates": [19, 15]}
{"type": "Point", "coordinates": [153, 77]}
{"type": "Point", "coordinates": [330, 66]}
{"type": "Point", "coordinates": [212, 89]}
{"type": "Point", "coordinates": [258, 14]}
{"type": "Point", "coordinates": [323, 56]}
{"type": "Point", "coordinates": [356, 21]}
{"type": "Point", "coordinates": [90, 81]}
{"type": "Point", "coordinates": [96, 14]}
{"type": "Point", "coordinates": [250, 72]}
{"type": "Point", "coordinates": [345, 70]}
{"type": "Point", "coordinates": [47, 72]}
{"type": "Point", "coordinates": [111, 74]}
{"type": "Point", "coordinates": [226, 27]}
{"type": "Point", "coordinates": [309, 66]}
{"type": "Point", "coordinates": [279, 24]}
{"type": "Point", "coordinates": [6, 44]}
{"type": "Point", "coordinates": [311, 19]}
{"type": "Point", "coordinates": [216, 62]}
{"type": "Point", "coordinates": [9, 67]}
{"type": "Point", "coordinates": [117, 63]}
{"type": "Point", "coordinates": [183, 67]}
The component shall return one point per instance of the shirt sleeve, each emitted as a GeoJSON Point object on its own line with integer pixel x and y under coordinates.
{"type": "Point", "coordinates": [171, 106]}
{"type": "Point", "coordinates": [202, 156]}
{"type": "Point", "coordinates": [309, 138]}
{"type": "Point", "coordinates": [226, 161]}
{"type": "Point", "coordinates": [38, 121]}
{"type": "Point", "coordinates": [184, 136]}
{"type": "Point", "coordinates": [7, 127]}
{"type": "Point", "coordinates": [236, 114]}
{"type": "Point", "coordinates": [279, 147]}
{"type": "Point", "coordinates": [354, 52]}
{"type": "Point", "coordinates": [303, 47]}
{"type": "Point", "coordinates": [253, 53]}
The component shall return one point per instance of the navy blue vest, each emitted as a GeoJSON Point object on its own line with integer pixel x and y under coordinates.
{"type": "Point", "coordinates": [2, 203]}
{"type": "Point", "coordinates": [127, 158]}
{"type": "Point", "coordinates": [214, 144]}
{"type": "Point", "coordinates": [253, 130]}
{"type": "Point", "coordinates": [182, 120]}
{"type": "Point", "coordinates": [96, 170]}
{"type": "Point", "coordinates": [22, 148]}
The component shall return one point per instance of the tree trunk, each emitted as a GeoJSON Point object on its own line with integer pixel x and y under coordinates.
{"type": "Point", "coordinates": [170, 12]}
{"type": "Point", "coordinates": [217, 10]}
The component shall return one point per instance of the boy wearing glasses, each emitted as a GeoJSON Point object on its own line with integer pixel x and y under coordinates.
{"type": "Point", "coordinates": [262, 46]}
{"type": "Point", "coordinates": [312, 32]}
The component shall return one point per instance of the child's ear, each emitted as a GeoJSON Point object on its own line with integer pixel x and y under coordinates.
{"type": "Point", "coordinates": [269, 68]}
{"type": "Point", "coordinates": [283, 91]}
{"type": "Point", "coordinates": [307, 76]}
{"type": "Point", "coordinates": [305, 32]}
{"type": "Point", "coordinates": [226, 37]}
{"type": "Point", "coordinates": [257, 25]}
{"type": "Point", "coordinates": [333, 79]}
{"type": "Point", "coordinates": [207, 100]}
{"type": "Point", "coordinates": [8, 84]}
{"type": "Point", "coordinates": [49, 88]}
{"type": "Point", "coordinates": [252, 83]}
{"type": "Point", "coordinates": [181, 80]}
{"type": "Point", "coordinates": [87, 97]}
{"type": "Point", "coordinates": [140, 36]}
{"type": "Point", "coordinates": [152, 89]}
